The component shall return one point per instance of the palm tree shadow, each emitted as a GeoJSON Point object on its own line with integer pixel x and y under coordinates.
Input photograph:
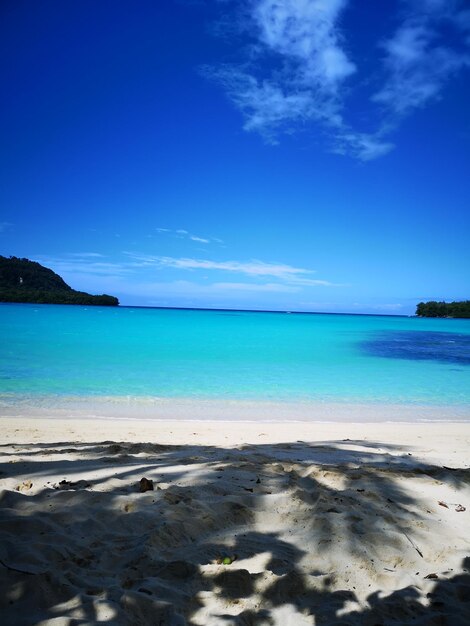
{"type": "Point", "coordinates": [228, 536]}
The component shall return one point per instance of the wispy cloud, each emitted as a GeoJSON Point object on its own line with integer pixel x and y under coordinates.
{"type": "Point", "coordinates": [86, 255]}
{"type": "Point", "coordinates": [183, 234]}
{"type": "Point", "coordinates": [396, 306]}
{"type": "Point", "coordinates": [157, 278]}
{"type": "Point", "coordinates": [297, 70]}
{"type": "Point", "coordinates": [184, 290]}
{"type": "Point", "coordinates": [87, 263]}
{"type": "Point", "coordinates": [418, 59]}
{"type": "Point", "coordinates": [307, 66]}
{"type": "Point", "coordinates": [252, 268]}
{"type": "Point", "coordinates": [83, 265]}
{"type": "Point", "coordinates": [257, 287]}
{"type": "Point", "coordinates": [4, 226]}
{"type": "Point", "coordinates": [199, 239]}
{"type": "Point", "coordinates": [363, 146]}
{"type": "Point", "coordinates": [255, 268]}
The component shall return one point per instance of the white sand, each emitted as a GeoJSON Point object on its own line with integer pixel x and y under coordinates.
{"type": "Point", "coordinates": [330, 523]}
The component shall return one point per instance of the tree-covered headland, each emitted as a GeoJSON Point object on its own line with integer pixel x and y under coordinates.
{"type": "Point", "coordinates": [443, 309]}
{"type": "Point", "coordinates": [22, 280]}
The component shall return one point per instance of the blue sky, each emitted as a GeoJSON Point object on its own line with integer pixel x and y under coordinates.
{"type": "Point", "coordinates": [262, 154]}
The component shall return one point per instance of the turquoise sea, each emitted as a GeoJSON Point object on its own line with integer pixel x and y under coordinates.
{"type": "Point", "coordinates": [51, 355]}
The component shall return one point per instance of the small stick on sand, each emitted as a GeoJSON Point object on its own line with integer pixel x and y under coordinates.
{"type": "Point", "coordinates": [14, 569]}
{"type": "Point", "coordinates": [414, 546]}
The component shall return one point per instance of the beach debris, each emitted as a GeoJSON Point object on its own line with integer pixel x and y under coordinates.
{"type": "Point", "coordinates": [145, 484]}
{"type": "Point", "coordinates": [431, 576]}
{"type": "Point", "coordinates": [144, 590]}
{"type": "Point", "coordinates": [68, 484]}
{"type": "Point", "coordinates": [458, 507]}
{"type": "Point", "coordinates": [226, 560]}
{"type": "Point", "coordinates": [25, 486]}
{"type": "Point", "coordinates": [414, 546]}
{"type": "Point", "coordinates": [15, 569]}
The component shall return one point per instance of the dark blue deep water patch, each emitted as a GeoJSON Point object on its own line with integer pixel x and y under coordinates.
{"type": "Point", "coordinates": [420, 346]}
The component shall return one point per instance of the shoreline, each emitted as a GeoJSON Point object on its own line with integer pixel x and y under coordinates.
{"type": "Point", "coordinates": [228, 410]}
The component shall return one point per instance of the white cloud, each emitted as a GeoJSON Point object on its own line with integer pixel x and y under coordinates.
{"type": "Point", "coordinates": [387, 307]}
{"type": "Point", "coordinates": [83, 266]}
{"type": "Point", "coordinates": [305, 31]}
{"type": "Point", "coordinates": [180, 289]}
{"type": "Point", "coordinates": [302, 38]}
{"type": "Point", "coordinates": [86, 255]}
{"type": "Point", "coordinates": [418, 63]}
{"type": "Point", "coordinates": [5, 226]}
{"type": "Point", "coordinates": [295, 70]}
{"type": "Point", "coordinates": [199, 239]}
{"type": "Point", "coordinates": [183, 234]}
{"type": "Point", "coordinates": [257, 287]}
{"type": "Point", "coordinates": [310, 282]}
{"type": "Point", "coordinates": [364, 146]}
{"type": "Point", "coordinates": [86, 265]}
{"type": "Point", "coordinates": [135, 276]}
{"type": "Point", "coordinates": [286, 273]}
{"type": "Point", "coordinates": [252, 268]}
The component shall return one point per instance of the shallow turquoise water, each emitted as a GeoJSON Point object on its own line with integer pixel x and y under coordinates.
{"type": "Point", "coordinates": [48, 350]}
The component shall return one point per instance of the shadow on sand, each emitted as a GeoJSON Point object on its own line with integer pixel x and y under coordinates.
{"type": "Point", "coordinates": [311, 534]}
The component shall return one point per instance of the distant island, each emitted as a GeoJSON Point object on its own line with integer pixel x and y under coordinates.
{"type": "Point", "coordinates": [443, 309]}
{"type": "Point", "coordinates": [22, 280]}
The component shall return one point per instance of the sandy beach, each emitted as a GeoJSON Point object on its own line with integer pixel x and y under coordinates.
{"type": "Point", "coordinates": [247, 523]}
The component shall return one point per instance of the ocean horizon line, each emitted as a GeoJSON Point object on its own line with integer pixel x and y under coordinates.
{"type": "Point", "coordinates": [216, 309]}
{"type": "Point", "coordinates": [280, 311]}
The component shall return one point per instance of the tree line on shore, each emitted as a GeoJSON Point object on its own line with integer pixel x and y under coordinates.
{"type": "Point", "coordinates": [443, 309]}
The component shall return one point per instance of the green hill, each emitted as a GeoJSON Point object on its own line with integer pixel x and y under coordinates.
{"type": "Point", "coordinates": [22, 280]}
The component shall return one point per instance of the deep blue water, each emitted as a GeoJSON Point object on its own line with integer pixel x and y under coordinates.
{"type": "Point", "coordinates": [418, 345]}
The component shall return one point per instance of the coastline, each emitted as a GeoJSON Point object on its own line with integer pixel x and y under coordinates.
{"type": "Point", "coordinates": [227, 410]}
